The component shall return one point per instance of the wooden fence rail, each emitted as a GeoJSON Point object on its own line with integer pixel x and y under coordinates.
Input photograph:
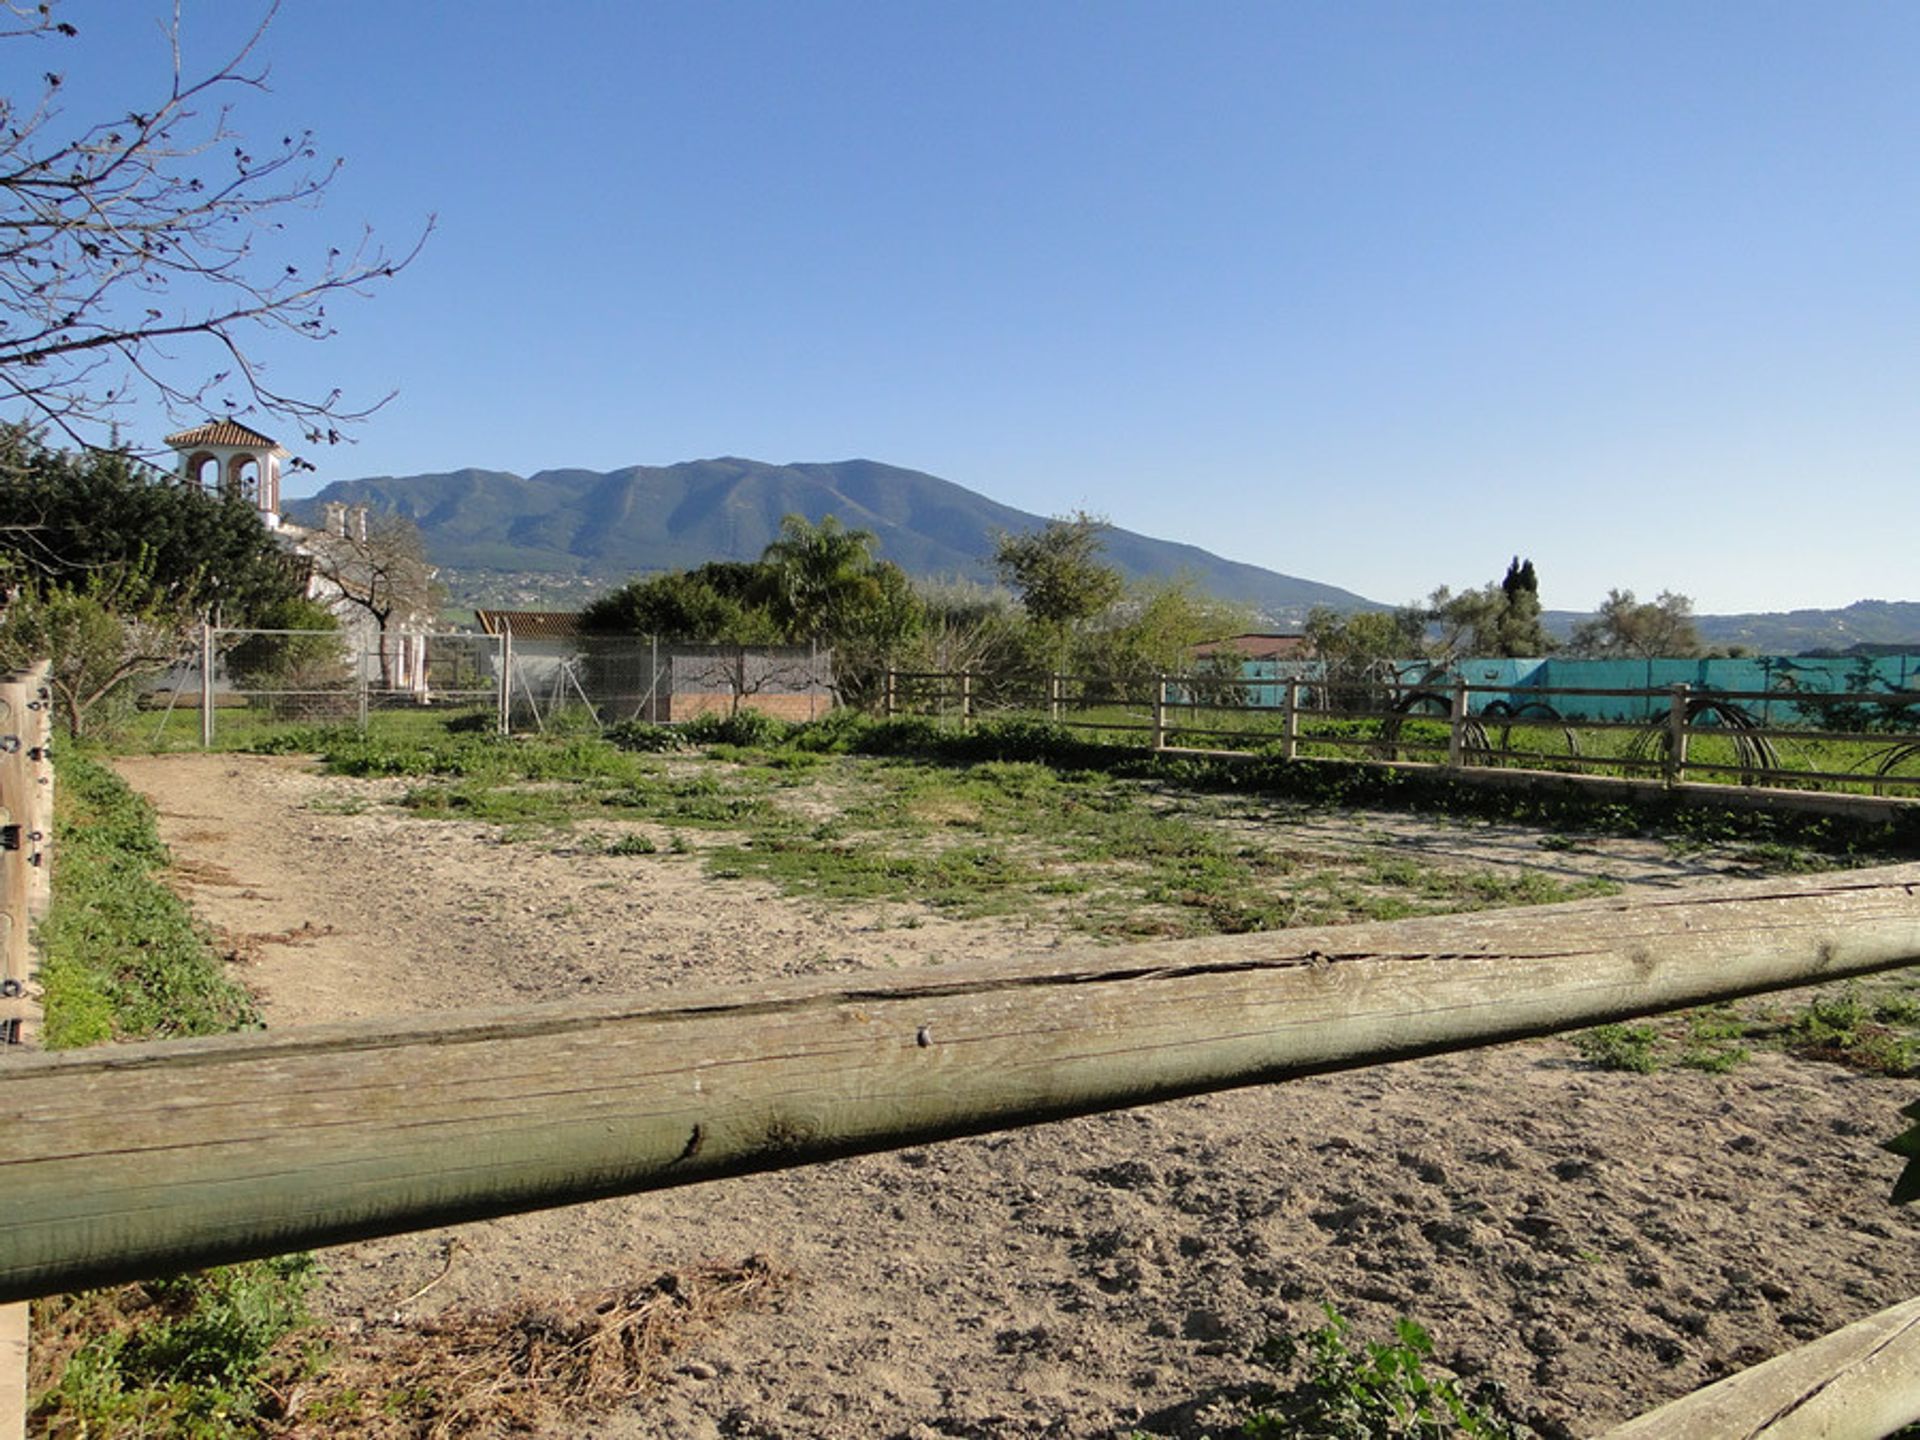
{"type": "Point", "coordinates": [124, 1162]}
{"type": "Point", "coordinates": [1184, 712]}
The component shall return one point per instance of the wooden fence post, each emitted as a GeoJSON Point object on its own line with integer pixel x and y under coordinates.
{"type": "Point", "coordinates": [38, 735]}
{"type": "Point", "coordinates": [1056, 688]}
{"type": "Point", "coordinates": [26, 797]}
{"type": "Point", "coordinates": [1290, 723]}
{"type": "Point", "coordinates": [966, 699]}
{"type": "Point", "coordinates": [1160, 714]}
{"type": "Point", "coordinates": [887, 704]}
{"type": "Point", "coordinates": [1457, 726]}
{"type": "Point", "coordinates": [1676, 734]}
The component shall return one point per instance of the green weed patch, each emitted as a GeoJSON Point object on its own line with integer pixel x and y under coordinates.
{"type": "Point", "coordinates": [121, 957]}
{"type": "Point", "coordinates": [197, 1355]}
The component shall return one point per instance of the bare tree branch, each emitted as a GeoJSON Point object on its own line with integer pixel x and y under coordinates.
{"type": "Point", "coordinates": [136, 257]}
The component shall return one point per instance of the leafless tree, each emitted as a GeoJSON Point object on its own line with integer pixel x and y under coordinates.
{"type": "Point", "coordinates": [138, 252]}
{"type": "Point", "coordinates": [742, 672]}
{"type": "Point", "coordinates": [379, 568]}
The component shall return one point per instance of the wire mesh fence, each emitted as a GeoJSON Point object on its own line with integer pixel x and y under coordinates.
{"type": "Point", "coordinates": [604, 680]}
{"type": "Point", "coordinates": [247, 683]}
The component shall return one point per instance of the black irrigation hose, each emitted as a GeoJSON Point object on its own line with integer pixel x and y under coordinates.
{"type": "Point", "coordinates": [1890, 760]}
{"type": "Point", "coordinates": [1534, 711]}
{"type": "Point", "coordinates": [1752, 750]}
{"type": "Point", "coordinates": [1476, 741]}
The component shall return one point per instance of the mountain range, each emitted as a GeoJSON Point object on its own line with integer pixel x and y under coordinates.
{"type": "Point", "coordinates": [608, 527]}
{"type": "Point", "coordinates": [566, 534]}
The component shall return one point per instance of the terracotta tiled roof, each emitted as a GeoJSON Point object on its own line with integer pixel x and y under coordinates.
{"type": "Point", "coordinates": [222, 432]}
{"type": "Point", "coordinates": [1258, 647]}
{"type": "Point", "coordinates": [530, 624]}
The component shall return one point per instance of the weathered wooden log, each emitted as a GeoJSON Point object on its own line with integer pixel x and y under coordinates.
{"type": "Point", "coordinates": [1859, 1383]}
{"type": "Point", "coordinates": [139, 1159]}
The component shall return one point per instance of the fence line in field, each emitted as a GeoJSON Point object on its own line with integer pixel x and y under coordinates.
{"type": "Point", "coordinates": [1455, 725]}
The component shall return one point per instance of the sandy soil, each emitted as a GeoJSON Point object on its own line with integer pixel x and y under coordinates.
{"type": "Point", "coordinates": [1599, 1242]}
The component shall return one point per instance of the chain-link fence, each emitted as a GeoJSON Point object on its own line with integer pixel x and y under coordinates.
{"type": "Point", "coordinates": [247, 682]}
{"type": "Point", "coordinates": [602, 680]}
{"type": "Point", "coordinates": [250, 682]}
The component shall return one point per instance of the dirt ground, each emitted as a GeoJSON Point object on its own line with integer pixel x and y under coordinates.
{"type": "Point", "coordinates": [1597, 1241]}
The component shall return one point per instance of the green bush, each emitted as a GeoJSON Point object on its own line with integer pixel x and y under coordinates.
{"type": "Point", "coordinates": [644, 737]}
{"type": "Point", "coordinates": [749, 728]}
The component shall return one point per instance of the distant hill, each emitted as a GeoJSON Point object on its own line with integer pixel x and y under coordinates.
{"type": "Point", "coordinates": [1869, 625]}
{"type": "Point", "coordinates": [1866, 623]}
{"type": "Point", "coordinates": [609, 527]}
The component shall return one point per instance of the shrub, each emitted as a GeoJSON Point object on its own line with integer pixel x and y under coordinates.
{"type": "Point", "coordinates": [752, 728]}
{"type": "Point", "coordinates": [644, 737]}
{"type": "Point", "coordinates": [1621, 1047]}
{"type": "Point", "coordinates": [1374, 1391]}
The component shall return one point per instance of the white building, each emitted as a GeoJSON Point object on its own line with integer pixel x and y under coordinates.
{"type": "Point", "coordinates": [343, 561]}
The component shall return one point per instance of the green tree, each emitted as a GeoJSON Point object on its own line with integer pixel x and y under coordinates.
{"type": "Point", "coordinates": [1154, 631]}
{"type": "Point", "coordinates": [100, 636]}
{"type": "Point", "coordinates": [1356, 652]}
{"type": "Point", "coordinates": [719, 603]}
{"type": "Point", "coordinates": [297, 647]}
{"type": "Point", "coordinates": [1501, 619]}
{"type": "Point", "coordinates": [822, 575]}
{"type": "Point", "coordinates": [66, 516]}
{"type": "Point", "coordinates": [1519, 630]}
{"type": "Point", "coordinates": [1057, 570]}
{"type": "Point", "coordinates": [1659, 629]}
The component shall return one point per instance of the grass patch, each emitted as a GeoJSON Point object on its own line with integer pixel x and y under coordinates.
{"type": "Point", "coordinates": [121, 957]}
{"type": "Point", "coordinates": [1872, 1028]}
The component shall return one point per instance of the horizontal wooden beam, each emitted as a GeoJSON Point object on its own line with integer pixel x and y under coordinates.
{"type": "Point", "coordinates": [1859, 1383]}
{"type": "Point", "coordinates": [131, 1161]}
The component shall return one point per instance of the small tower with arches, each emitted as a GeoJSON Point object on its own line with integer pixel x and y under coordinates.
{"type": "Point", "coordinates": [228, 457]}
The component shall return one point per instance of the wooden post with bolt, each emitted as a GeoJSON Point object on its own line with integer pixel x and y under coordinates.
{"type": "Point", "coordinates": [26, 826]}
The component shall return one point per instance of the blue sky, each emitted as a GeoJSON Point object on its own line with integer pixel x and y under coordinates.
{"type": "Point", "coordinates": [1376, 294]}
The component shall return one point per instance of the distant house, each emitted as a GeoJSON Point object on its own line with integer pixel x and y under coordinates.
{"type": "Point", "coordinates": [1257, 645]}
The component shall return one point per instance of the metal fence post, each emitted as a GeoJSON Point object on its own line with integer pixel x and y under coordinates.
{"type": "Point", "coordinates": [365, 685]}
{"type": "Point", "coordinates": [1160, 714]}
{"type": "Point", "coordinates": [504, 645]}
{"type": "Point", "coordinates": [1290, 722]}
{"type": "Point", "coordinates": [1457, 726]}
{"type": "Point", "coordinates": [1676, 734]}
{"type": "Point", "coordinates": [206, 686]}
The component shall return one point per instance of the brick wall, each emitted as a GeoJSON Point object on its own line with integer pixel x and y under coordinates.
{"type": "Point", "coordinates": [684, 705]}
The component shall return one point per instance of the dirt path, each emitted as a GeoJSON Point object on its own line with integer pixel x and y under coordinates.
{"type": "Point", "coordinates": [1597, 1241]}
